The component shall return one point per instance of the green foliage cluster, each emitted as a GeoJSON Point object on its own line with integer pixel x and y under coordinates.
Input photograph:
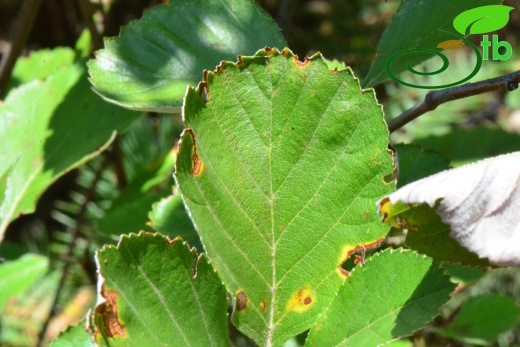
{"type": "Point", "coordinates": [223, 192]}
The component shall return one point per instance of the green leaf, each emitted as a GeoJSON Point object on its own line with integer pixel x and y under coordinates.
{"type": "Point", "coordinates": [18, 275]}
{"type": "Point", "coordinates": [393, 294]}
{"type": "Point", "coordinates": [459, 144]}
{"type": "Point", "coordinates": [156, 292]}
{"type": "Point", "coordinates": [427, 234]}
{"type": "Point", "coordinates": [416, 162]}
{"type": "Point", "coordinates": [39, 65]}
{"type": "Point", "coordinates": [129, 211]}
{"type": "Point", "coordinates": [280, 169]}
{"type": "Point", "coordinates": [417, 26]}
{"type": "Point", "coordinates": [153, 60]}
{"type": "Point", "coordinates": [170, 217]}
{"type": "Point", "coordinates": [463, 276]}
{"type": "Point", "coordinates": [23, 317]}
{"type": "Point", "coordinates": [74, 337]}
{"type": "Point", "coordinates": [481, 319]}
{"type": "Point", "coordinates": [482, 20]}
{"type": "Point", "coordinates": [70, 126]}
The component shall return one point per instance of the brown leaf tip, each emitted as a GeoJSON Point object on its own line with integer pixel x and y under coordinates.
{"type": "Point", "coordinates": [107, 311]}
{"type": "Point", "coordinates": [241, 301]}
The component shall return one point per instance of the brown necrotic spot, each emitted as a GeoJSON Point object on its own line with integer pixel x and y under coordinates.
{"type": "Point", "coordinates": [197, 163]}
{"type": "Point", "coordinates": [241, 301]}
{"type": "Point", "coordinates": [107, 311]}
{"type": "Point", "coordinates": [301, 300]}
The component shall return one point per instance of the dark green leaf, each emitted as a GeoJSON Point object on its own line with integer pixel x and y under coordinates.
{"type": "Point", "coordinates": [481, 319]}
{"type": "Point", "coordinates": [153, 60]}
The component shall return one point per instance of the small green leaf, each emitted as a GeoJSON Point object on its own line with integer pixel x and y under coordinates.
{"type": "Point", "coordinates": [481, 319]}
{"type": "Point", "coordinates": [70, 126]}
{"type": "Point", "coordinates": [16, 276]}
{"type": "Point", "coordinates": [391, 295]}
{"type": "Point", "coordinates": [129, 211]}
{"type": "Point", "coordinates": [427, 234]}
{"type": "Point", "coordinates": [74, 337]}
{"type": "Point", "coordinates": [482, 20]}
{"type": "Point", "coordinates": [169, 217]}
{"type": "Point", "coordinates": [280, 170]}
{"type": "Point", "coordinates": [416, 26]}
{"type": "Point", "coordinates": [156, 292]}
{"type": "Point", "coordinates": [153, 60]}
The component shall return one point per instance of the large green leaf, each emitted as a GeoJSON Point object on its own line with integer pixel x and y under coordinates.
{"type": "Point", "coordinates": [390, 296]}
{"type": "Point", "coordinates": [156, 292]}
{"type": "Point", "coordinates": [153, 60]}
{"type": "Point", "coordinates": [280, 169]}
{"type": "Point", "coordinates": [48, 128]}
{"type": "Point", "coordinates": [417, 24]}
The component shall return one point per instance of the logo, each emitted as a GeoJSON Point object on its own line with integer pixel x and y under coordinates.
{"type": "Point", "coordinates": [479, 20]}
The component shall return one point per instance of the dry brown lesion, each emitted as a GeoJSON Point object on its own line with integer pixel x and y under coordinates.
{"type": "Point", "coordinates": [107, 311]}
{"type": "Point", "coordinates": [241, 301]}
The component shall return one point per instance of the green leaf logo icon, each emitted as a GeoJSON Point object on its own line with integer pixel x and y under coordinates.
{"type": "Point", "coordinates": [482, 19]}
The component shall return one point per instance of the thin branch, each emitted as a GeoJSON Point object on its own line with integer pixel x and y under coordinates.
{"type": "Point", "coordinates": [19, 35]}
{"type": "Point", "coordinates": [69, 257]}
{"type": "Point", "coordinates": [435, 98]}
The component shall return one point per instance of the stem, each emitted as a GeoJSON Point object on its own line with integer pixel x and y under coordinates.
{"type": "Point", "coordinates": [69, 257]}
{"type": "Point", "coordinates": [95, 38]}
{"type": "Point", "coordinates": [435, 98]}
{"type": "Point", "coordinates": [20, 33]}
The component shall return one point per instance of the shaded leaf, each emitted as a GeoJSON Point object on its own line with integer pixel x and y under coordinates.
{"type": "Point", "coordinates": [428, 235]}
{"type": "Point", "coordinates": [416, 162]}
{"type": "Point", "coordinates": [391, 295]}
{"type": "Point", "coordinates": [481, 319]}
{"type": "Point", "coordinates": [482, 20]}
{"type": "Point", "coordinates": [153, 60]}
{"type": "Point", "coordinates": [463, 276]}
{"type": "Point", "coordinates": [478, 202]}
{"type": "Point", "coordinates": [152, 293]}
{"type": "Point", "coordinates": [279, 169]}
{"type": "Point", "coordinates": [459, 144]}
{"type": "Point", "coordinates": [70, 126]}
{"type": "Point", "coordinates": [170, 217]}
{"type": "Point", "coordinates": [416, 26]}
